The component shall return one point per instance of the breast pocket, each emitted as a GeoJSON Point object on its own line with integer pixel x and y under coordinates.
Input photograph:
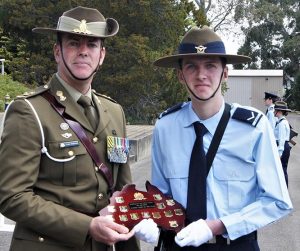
{"type": "Point", "coordinates": [236, 181]}
{"type": "Point", "coordinates": [177, 173]}
{"type": "Point", "coordinates": [60, 171]}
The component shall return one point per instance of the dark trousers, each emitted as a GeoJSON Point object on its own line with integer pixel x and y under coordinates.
{"type": "Point", "coordinates": [285, 159]}
{"type": "Point", "coordinates": [244, 243]}
{"type": "Point", "coordinates": [242, 246]}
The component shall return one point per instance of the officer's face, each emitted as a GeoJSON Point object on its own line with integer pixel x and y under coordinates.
{"type": "Point", "coordinates": [79, 55]}
{"type": "Point", "coordinates": [268, 101]}
{"type": "Point", "coordinates": [202, 75]}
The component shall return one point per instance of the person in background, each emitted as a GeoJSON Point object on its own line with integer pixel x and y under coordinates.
{"type": "Point", "coordinates": [56, 172]}
{"type": "Point", "coordinates": [218, 160]}
{"type": "Point", "coordinates": [270, 100]}
{"type": "Point", "coordinates": [282, 135]}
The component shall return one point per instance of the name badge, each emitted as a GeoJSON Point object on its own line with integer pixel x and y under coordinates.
{"type": "Point", "coordinates": [68, 144]}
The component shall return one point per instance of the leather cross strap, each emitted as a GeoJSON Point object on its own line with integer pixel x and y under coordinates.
{"type": "Point", "coordinates": [79, 131]}
{"type": "Point", "coordinates": [212, 150]}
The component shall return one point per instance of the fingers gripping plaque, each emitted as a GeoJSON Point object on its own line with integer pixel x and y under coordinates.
{"type": "Point", "coordinates": [129, 206]}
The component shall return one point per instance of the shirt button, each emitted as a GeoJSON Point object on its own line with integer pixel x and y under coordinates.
{"type": "Point", "coordinates": [41, 239]}
{"type": "Point", "coordinates": [71, 153]}
{"type": "Point", "coordinates": [100, 196]}
{"type": "Point", "coordinates": [95, 139]}
{"type": "Point", "coordinates": [96, 168]}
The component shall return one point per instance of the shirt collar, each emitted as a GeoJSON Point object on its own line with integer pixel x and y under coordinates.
{"type": "Point", "coordinates": [72, 91]}
{"type": "Point", "coordinates": [210, 123]}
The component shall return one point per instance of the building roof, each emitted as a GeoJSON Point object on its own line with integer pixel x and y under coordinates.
{"type": "Point", "coordinates": [256, 73]}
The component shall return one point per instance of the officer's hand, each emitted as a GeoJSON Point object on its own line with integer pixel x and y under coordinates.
{"type": "Point", "coordinates": [194, 234]}
{"type": "Point", "coordinates": [103, 229]}
{"type": "Point", "coordinates": [147, 231]}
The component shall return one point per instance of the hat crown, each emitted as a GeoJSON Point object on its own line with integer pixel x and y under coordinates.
{"type": "Point", "coordinates": [200, 36]}
{"type": "Point", "coordinates": [200, 42]}
{"type": "Point", "coordinates": [281, 105]}
{"type": "Point", "coordinates": [82, 13]}
{"type": "Point", "coordinates": [83, 21]}
{"type": "Point", "coordinates": [270, 95]}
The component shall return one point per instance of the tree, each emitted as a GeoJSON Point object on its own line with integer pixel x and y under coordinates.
{"type": "Point", "coordinates": [218, 14]}
{"type": "Point", "coordinates": [293, 95]}
{"type": "Point", "coordinates": [129, 75]}
{"type": "Point", "coordinates": [148, 30]}
{"type": "Point", "coordinates": [272, 35]}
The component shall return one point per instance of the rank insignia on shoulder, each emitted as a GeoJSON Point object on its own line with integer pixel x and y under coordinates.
{"type": "Point", "coordinates": [104, 96]}
{"type": "Point", "coordinates": [172, 109]}
{"type": "Point", "coordinates": [33, 93]}
{"type": "Point", "coordinates": [248, 116]}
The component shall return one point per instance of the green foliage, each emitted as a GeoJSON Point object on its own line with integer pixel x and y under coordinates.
{"type": "Point", "coordinates": [10, 88]}
{"type": "Point", "coordinates": [149, 29]}
{"type": "Point", "coordinates": [272, 35]}
{"type": "Point", "coordinates": [128, 74]}
{"type": "Point", "coordinates": [294, 94]}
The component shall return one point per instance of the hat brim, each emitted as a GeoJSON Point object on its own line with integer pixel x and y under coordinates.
{"type": "Point", "coordinates": [113, 28]}
{"type": "Point", "coordinates": [283, 109]}
{"type": "Point", "coordinates": [173, 61]}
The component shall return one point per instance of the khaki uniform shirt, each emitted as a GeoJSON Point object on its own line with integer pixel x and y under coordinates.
{"type": "Point", "coordinates": [49, 200]}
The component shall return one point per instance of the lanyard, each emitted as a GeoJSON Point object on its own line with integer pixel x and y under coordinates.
{"type": "Point", "coordinates": [79, 131]}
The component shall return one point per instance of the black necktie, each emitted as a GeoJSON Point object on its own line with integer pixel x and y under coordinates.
{"type": "Point", "coordinates": [89, 110]}
{"type": "Point", "coordinates": [196, 197]}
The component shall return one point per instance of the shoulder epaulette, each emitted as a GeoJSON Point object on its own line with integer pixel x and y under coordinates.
{"type": "Point", "coordinates": [271, 108]}
{"type": "Point", "coordinates": [33, 93]}
{"type": "Point", "coordinates": [172, 109]}
{"type": "Point", "coordinates": [248, 116]}
{"type": "Point", "coordinates": [104, 96]}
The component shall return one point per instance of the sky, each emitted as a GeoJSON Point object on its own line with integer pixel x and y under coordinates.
{"type": "Point", "coordinates": [231, 46]}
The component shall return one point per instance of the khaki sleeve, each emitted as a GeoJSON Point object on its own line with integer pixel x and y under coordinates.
{"type": "Point", "coordinates": [20, 156]}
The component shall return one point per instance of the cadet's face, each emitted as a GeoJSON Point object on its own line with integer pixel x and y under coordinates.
{"type": "Point", "coordinates": [277, 113]}
{"type": "Point", "coordinates": [81, 54]}
{"type": "Point", "coordinates": [202, 75]}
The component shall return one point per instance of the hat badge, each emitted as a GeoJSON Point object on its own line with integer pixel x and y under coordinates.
{"type": "Point", "coordinates": [82, 28]}
{"type": "Point", "coordinates": [200, 48]}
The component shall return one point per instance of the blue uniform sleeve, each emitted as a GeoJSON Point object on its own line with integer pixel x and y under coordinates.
{"type": "Point", "coordinates": [272, 198]}
{"type": "Point", "coordinates": [157, 174]}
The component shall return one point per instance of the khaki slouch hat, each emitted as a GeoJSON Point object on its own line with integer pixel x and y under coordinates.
{"type": "Point", "coordinates": [200, 42]}
{"type": "Point", "coordinates": [85, 22]}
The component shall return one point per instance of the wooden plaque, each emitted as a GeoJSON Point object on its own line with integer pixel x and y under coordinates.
{"type": "Point", "coordinates": [129, 206]}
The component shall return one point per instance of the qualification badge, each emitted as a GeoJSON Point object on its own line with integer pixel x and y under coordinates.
{"type": "Point", "coordinates": [117, 149]}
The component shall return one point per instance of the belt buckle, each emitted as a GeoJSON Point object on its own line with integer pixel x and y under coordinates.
{"type": "Point", "coordinates": [213, 240]}
{"type": "Point", "coordinates": [227, 241]}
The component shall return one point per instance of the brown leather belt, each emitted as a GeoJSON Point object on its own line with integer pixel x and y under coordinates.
{"type": "Point", "coordinates": [79, 131]}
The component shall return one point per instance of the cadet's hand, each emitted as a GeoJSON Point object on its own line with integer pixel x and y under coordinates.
{"type": "Point", "coordinates": [147, 231]}
{"type": "Point", "coordinates": [194, 234]}
{"type": "Point", "coordinates": [104, 230]}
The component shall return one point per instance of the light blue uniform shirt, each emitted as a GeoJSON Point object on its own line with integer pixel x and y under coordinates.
{"type": "Point", "coordinates": [271, 116]}
{"type": "Point", "coordinates": [282, 133]}
{"type": "Point", "coordinates": [246, 189]}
